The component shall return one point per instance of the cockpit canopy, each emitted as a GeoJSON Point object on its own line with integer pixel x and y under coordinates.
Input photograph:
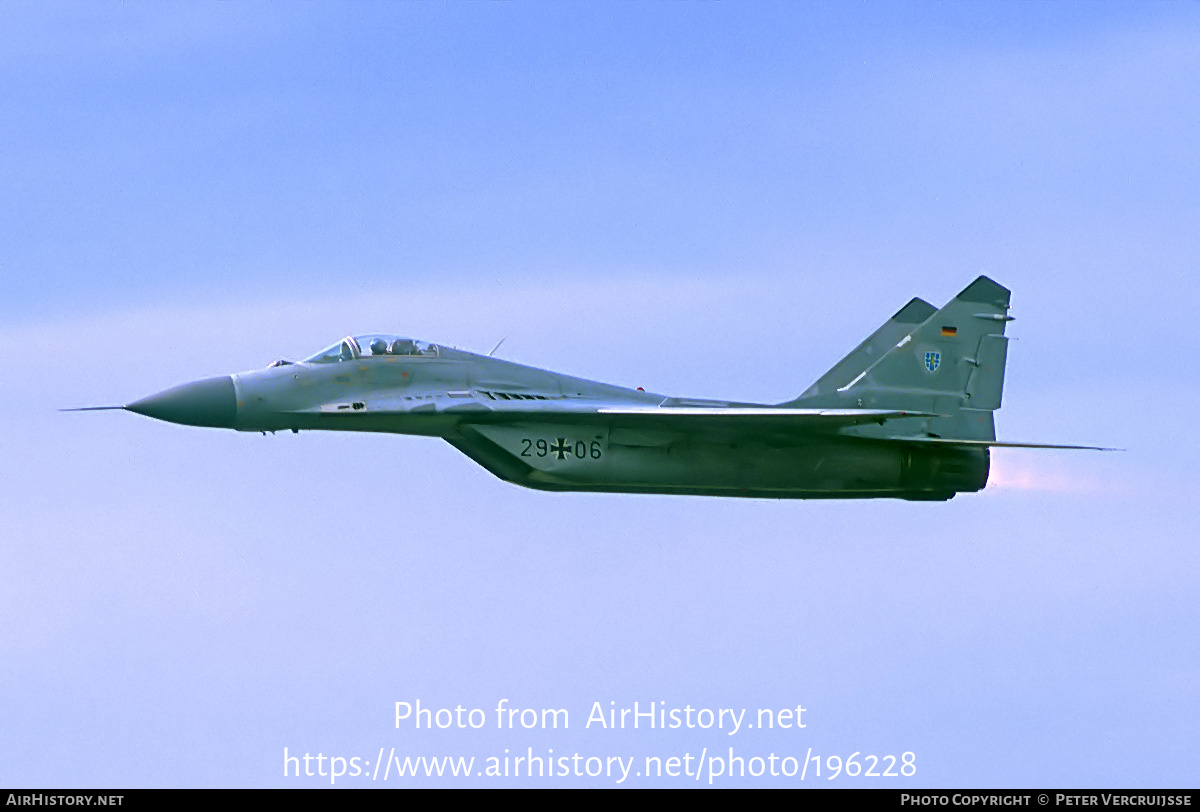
{"type": "Point", "coordinates": [353, 348]}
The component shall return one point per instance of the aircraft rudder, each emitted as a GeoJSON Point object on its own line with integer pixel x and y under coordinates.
{"type": "Point", "coordinates": [961, 349]}
{"type": "Point", "coordinates": [951, 364]}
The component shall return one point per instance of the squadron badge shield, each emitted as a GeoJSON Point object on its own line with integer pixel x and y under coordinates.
{"type": "Point", "coordinates": [932, 360]}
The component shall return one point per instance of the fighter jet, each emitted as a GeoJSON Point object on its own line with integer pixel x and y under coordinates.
{"type": "Point", "coordinates": [908, 414]}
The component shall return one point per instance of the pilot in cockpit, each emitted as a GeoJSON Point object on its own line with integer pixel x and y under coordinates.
{"type": "Point", "coordinates": [378, 347]}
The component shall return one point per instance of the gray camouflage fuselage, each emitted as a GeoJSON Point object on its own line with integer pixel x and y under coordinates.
{"type": "Point", "coordinates": [907, 414]}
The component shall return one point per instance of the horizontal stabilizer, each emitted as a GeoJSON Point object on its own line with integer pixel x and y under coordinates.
{"type": "Point", "coordinates": [943, 441]}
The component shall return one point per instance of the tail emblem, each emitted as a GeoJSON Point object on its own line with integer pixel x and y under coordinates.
{"type": "Point", "coordinates": [932, 360]}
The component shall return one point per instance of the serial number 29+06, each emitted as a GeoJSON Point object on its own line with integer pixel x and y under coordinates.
{"type": "Point", "coordinates": [561, 448]}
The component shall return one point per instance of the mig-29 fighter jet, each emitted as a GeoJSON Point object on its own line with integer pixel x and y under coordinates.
{"type": "Point", "coordinates": [907, 414]}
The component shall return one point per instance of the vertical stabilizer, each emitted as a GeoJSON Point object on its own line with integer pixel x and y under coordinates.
{"type": "Point", "coordinates": [952, 365]}
{"type": "Point", "coordinates": [906, 319]}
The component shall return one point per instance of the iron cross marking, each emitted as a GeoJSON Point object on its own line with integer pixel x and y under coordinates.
{"type": "Point", "coordinates": [560, 448]}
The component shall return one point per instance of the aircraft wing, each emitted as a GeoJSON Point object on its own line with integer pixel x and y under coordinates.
{"type": "Point", "coordinates": [726, 420]}
{"type": "Point", "coordinates": [729, 422]}
{"type": "Point", "coordinates": [818, 419]}
{"type": "Point", "coordinates": [711, 421]}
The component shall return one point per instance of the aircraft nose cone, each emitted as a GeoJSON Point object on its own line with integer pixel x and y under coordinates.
{"type": "Point", "coordinates": [211, 402]}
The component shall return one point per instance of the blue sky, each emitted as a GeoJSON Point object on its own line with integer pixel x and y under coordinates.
{"type": "Point", "coordinates": [702, 199]}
